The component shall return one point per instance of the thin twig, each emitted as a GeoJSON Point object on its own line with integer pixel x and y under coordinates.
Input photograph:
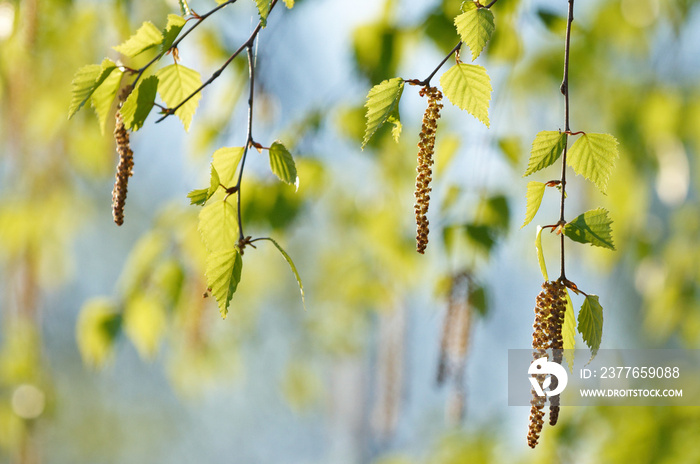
{"type": "Point", "coordinates": [249, 136]}
{"type": "Point", "coordinates": [426, 82]}
{"type": "Point", "coordinates": [177, 42]}
{"type": "Point", "coordinates": [567, 128]}
{"type": "Point", "coordinates": [493, 2]}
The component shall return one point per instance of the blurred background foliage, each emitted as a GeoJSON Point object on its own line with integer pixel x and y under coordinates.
{"type": "Point", "coordinates": [109, 352]}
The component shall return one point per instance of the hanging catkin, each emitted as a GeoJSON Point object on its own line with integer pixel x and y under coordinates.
{"type": "Point", "coordinates": [549, 318]}
{"type": "Point", "coordinates": [124, 169]}
{"type": "Point", "coordinates": [426, 148]}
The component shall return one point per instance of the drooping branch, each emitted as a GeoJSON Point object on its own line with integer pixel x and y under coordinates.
{"type": "Point", "coordinates": [175, 44]}
{"type": "Point", "coordinates": [246, 45]}
{"type": "Point", "coordinates": [249, 138]}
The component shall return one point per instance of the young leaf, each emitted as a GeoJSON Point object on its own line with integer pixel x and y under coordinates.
{"type": "Point", "coordinates": [289, 4]}
{"type": "Point", "coordinates": [593, 156]}
{"type": "Point", "coordinates": [535, 192]}
{"type": "Point", "coordinates": [546, 149]}
{"type": "Point", "coordinates": [475, 27]}
{"type": "Point", "coordinates": [139, 103]}
{"type": "Point", "coordinates": [147, 37]}
{"type": "Point", "coordinates": [293, 267]}
{"type": "Point", "coordinates": [145, 323]}
{"type": "Point", "coordinates": [218, 225]}
{"type": "Point", "coordinates": [382, 106]}
{"type": "Point", "coordinates": [591, 227]}
{"type": "Point", "coordinates": [568, 332]}
{"type": "Point", "coordinates": [282, 163]}
{"type": "Point", "coordinates": [225, 162]}
{"type": "Point", "coordinates": [263, 10]}
{"type": "Point", "coordinates": [172, 30]}
{"type": "Point", "coordinates": [198, 196]}
{"type": "Point", "coordinates": [104, 95]}
{"type": "Point", "coordinates": [86, 80]}
{"type": "Point", "coordinates": [175, 83]}
{"type": "Point", "coordinates": [468, 87]}
{"type": "Point", "coordinates": [98, 326]}
{"type": "Point", "coordinates": [214, 182]}
{"type": "Point", "coordinates": [223, 274]}
{"type": "Point", "coordinates": [590, 323]}
{"type": "Point", "coordinates": [184, 7]}
{"type": "Point", "coordinates": [540, 254]}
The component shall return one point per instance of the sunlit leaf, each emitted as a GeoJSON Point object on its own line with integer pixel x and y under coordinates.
{"type": "Point", "coordinates": [593, 156]}
{"type": "Point", "coordinates": [535, 192]}
{"type": "Point", "coordinates": [289, 4]}
{"type": "Point", "coordinates": [292, 266]}
{"type": "Point", "coordinates": [139, 103]}
{"type": "Point", "coordinates": [546, 149]}
{"type": "Point", "coordinates": [145, 323]}
{"type": "Point", "coordinates": [282, 163]}
{"type": "Point", "coordinates": [214, 182]}
{"type": "Point", "coordinates": [218, 225]}
{"type": "Point", "coordinates": [468, 87]}
{"type": "Point", "coordinates": [146, 37]}
{"type": "Point", "coordinates": [382, 106]}
{"type": "Point", "coordinates": [540, 254]}
{"type": "Point", "coordinates": [225, 161]}
{"type": "Point", "coordinates": [590, 323]}
{"type": "Point", "coordinates": [104, 95]}
{"type": "Point", "coordinates": [591, 227]}
{"type": "Point", "coordinates": [475, 27]}
{"type": "Point", "coordinates": [198, 196]}
{"type": "Point", "coordinates": [172, 30]}
{"type": "Point", "coordinates": [263, 10]}
{"type": "Point", "coordinates": [98, 326]}
{"type": "Point", "coordinates": [223, 274]}
{"type": "Point", "coordinates": [86, 80]}
{"type": "Point", "coordinates": [568, 332]}
{"type": "Point", "coordinates": [177, 82]}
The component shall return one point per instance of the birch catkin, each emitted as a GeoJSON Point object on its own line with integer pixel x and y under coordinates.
{"type": "Point", "coordinates": [124, 170]}
{"type": "Point", "coordinates": [426, 148]}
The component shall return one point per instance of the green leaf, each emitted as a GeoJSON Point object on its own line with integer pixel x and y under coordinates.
{"type": "Point", "coordinates": [218, 225]}
{"type": "Point", "coordinates": [468, 87]}
{"type": "Point", "coordinates": [590, 323]}
{"type": "Point", "coordinates": [198, 196]}
{"type": "Point", "coordinates": [145, 323]}
{"type": "Point", "coordinates": [289, 4]}
{"type": "Point", "coordinates": [593, 156]}
{"type": "Point", "coordinates": [177, 82]}
{"type": "Point", "coordinates": [546, 149]}
{"type": "Point", "coordinates": [535, 192]}
{"type": "Point", "coordinates": [477, 299]}
{"type": "Point", "coordinates": [139, 103]}
{"type": "Point", "coordinates": [214, 182]}
{"type": "Point", "coordinates": [293, 267]}
{"type": "Point", "coordinates": [225, 162]}
{"type": "Point", "coordinates": [475, 27]}
{"type": "Point", "coordinates": [591, 227]}
{"type": "Point", "coordinates": [98, 326]}
{"type": "Point", "coordinates": [147, 37]}
{"type": "Point", "coordinates": [223, 274]}
{"type": "Point", "coordinates": [172, 30]}
{"type": "Point", "coordinates": [382, 106]}
{"type": "Point", "coordinates": [568, 332]}
{"type": "Point", "coordinates": [540, 254]}
{"type": "Point", "coordinates": [85, 81]}
{"type": "Point", "coordinates": [184, 7]}
{"type": "Point", "coordinates": [263, 10]}
{"type": "Point", "coordinates": [282, 164]}
{"type": "Point", "coordinates": [104, 95]}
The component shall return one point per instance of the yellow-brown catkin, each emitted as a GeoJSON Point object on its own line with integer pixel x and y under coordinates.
{"type": "Point", "coordinates": [426, 148]}
{"type": "Point", "coordinates": [124, 170]}
{"type": "Point", "coordinates": [549, 317]}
